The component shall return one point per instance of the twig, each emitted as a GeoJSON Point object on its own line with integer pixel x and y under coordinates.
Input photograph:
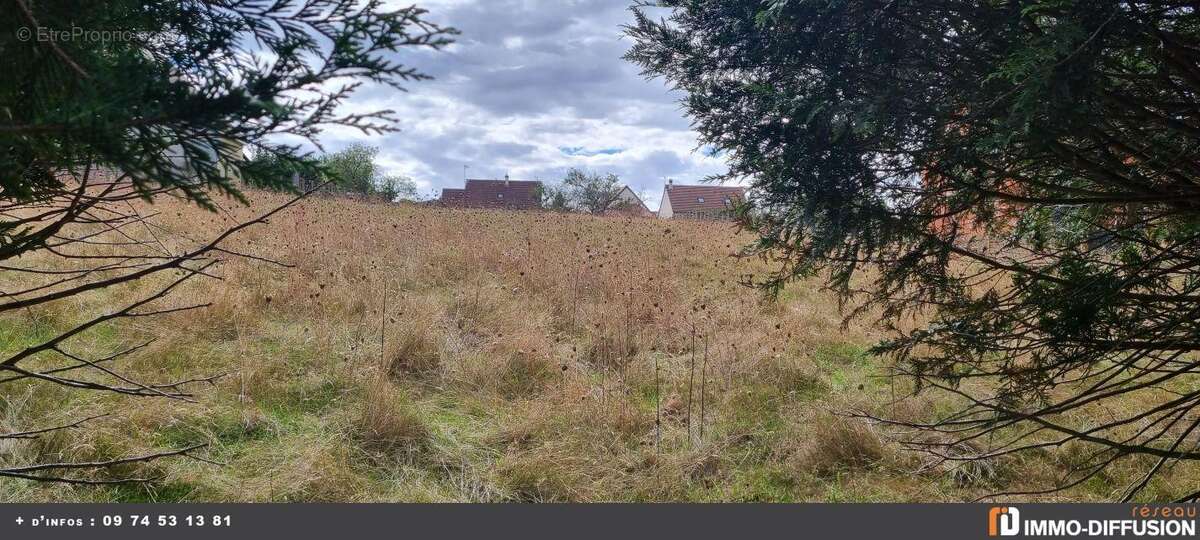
{"type": "Point", "coordinates": [703, 385]}
{"type": "Point", "coordinates": [691, 383]}
{"type": "Point", "coordinates": [657, 409]}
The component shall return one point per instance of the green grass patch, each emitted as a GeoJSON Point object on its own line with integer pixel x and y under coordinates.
{"type": "Point", "coordinates": [19, 334]}
{"type": "Point", "coordinates": [757, 483]}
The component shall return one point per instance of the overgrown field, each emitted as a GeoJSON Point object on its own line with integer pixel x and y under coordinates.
{"type": "Point", "coordinates": [423, 354]}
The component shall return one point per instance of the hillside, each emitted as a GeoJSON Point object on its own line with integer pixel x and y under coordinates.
{"type": "Point", "coordinates": [422, 354]}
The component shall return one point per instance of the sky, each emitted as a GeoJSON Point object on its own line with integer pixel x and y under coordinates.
{"type": "Point", "coordinates": [531, 89]}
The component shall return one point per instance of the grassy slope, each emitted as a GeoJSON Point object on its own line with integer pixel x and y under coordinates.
{"type": "Point", "coordinates": [518, 363]}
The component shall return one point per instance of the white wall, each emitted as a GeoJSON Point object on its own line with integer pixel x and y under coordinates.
{"type": "Point", "coordinates": [664, 209]}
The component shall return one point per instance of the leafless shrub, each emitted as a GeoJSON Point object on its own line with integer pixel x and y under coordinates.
{"type": "Point", "coordinates": [87, 238]}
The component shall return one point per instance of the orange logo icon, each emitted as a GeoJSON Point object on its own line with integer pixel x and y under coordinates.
{"type": "Point", "coordinates": [1004, 521]}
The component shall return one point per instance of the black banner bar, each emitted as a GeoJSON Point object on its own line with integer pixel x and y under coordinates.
{"type": "Point", "coordinates": [598, 521]}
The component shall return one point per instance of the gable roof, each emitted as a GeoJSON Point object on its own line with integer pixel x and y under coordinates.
{"type": "Point", "coordinates": [638, 205]}
{"type": "Point", "coordinates": [515, 194]}
{"type": "Point", "coordinates": [703, 198]}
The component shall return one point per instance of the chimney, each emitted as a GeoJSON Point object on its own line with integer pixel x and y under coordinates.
{"type": "Point", "coordinates": [506, 180]}
{"type": "Point", "coordinates": [669, 182]}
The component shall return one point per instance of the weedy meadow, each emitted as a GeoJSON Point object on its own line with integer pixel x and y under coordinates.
{"type": "Point", "coordinates": [416, 353]}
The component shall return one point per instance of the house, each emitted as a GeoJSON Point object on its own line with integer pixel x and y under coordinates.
{"type": "Point", "coordinates": [964, 224]}
{"type": "Point", "coordinates": [507, 194]}
{"type": "Point", "coordinates": [699, 202]}
{"type": "Point", "coordinates": [628, 203]}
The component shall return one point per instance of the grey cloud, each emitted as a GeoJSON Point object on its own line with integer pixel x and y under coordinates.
{"type": "Point", "coordinates": [664, 161]}
{"type": "Point", "coordinates": [507, 149]}
{"type": "Point", "coordinates": [526, 79]}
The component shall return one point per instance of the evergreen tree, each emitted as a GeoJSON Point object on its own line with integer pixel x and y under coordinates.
{"type": "Point", "coordinates": [1025, 174]}
{"type": "Point", "coordinates": [104, 103]}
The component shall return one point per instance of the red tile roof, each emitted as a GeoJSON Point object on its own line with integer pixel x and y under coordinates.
{"type": "Point", "coordinates": [685, 199]}
{"type": "Point", "coordinates": [512, 194]}
{"type": "Point", "coordinates": [454, 197]}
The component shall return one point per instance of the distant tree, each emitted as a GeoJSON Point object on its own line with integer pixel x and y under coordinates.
{"type": "Point", "coordinates": [164, 103]}
{"type": "Point", "coordinates": [394, 188]}
{"type": "Point", "coordinates": [353, 169]}
{"type": "Point", "coordinates": [357, 170]}
{"type": "Point", "coordinates": [554, 198]}
{"type": "Point", "coordinates": [591, 192]}
{"type": "Point", "coordinates": [278, 173]}
{"type": "Point", "coordinates": [1025, 174]}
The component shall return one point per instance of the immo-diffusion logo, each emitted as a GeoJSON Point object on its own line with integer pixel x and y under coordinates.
{"type": "Point", "coordinates": [1153, 521]}
{"type": "Point", "coordinates": [1004, 521]}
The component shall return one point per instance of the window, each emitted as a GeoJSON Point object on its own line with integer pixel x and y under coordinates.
{"type": "Point", "coordinates": [499, 195]}
{"type": "Point", "coordinates": [699, 199]}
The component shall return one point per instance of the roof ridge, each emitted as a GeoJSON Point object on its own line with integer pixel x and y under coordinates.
{"type": "Point", "coordinates": [503, 180]}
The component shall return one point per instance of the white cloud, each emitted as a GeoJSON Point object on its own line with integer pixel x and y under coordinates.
{"type": "Point", "coordinates": [532, 88]}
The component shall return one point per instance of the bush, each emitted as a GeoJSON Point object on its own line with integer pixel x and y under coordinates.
{"type": "Point", "coordinates": [838, 444]}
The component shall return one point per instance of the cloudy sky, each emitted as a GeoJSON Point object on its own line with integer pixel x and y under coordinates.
{"type": "Point", "coordinates": [531, 89]}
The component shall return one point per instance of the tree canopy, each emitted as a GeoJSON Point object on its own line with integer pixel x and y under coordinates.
{"type": "Point", "coordinates": [590, 192]}
{"type": "Point", "coordinates": [174, 93]}
{"type": "Point", "coordinates": [105, 103]}
{"type": "Point", "coordinates": [356, 170]}
{"type": "Point", "coordinates": [1025, 176]}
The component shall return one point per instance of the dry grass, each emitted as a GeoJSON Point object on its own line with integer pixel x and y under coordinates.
{"type": "Point", "coordinates": [839, 445]}
{"type": "Point", "coordinates": [422, 354]}
{"type": "Point", "coordinates": [388, 422]}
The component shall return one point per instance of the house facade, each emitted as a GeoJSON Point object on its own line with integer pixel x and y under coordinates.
{"type": "Point", "coordinates": [628, 203]}
{"type": "Point", "coordinates": [699, 202]}
{"type": "Point", "coordinates": [504, 194]}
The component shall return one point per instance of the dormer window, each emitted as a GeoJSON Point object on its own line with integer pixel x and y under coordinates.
{"type": "Point", "coordinates": [700, 199]}
{"type": "Point", "coordinates": [499, 195]}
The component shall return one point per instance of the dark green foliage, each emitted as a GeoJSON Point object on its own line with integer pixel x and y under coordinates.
{"type": "Point", "coordinates": [270, 171]}
{"type": "Point", "coordinates": [1024, 173]}
{"type": "Point", "coordinates": [174, 92]}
